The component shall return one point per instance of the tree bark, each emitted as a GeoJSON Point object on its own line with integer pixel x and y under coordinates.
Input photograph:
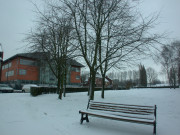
{"type": "Point", "coordinates": [103, 86]}
{"type": "Point", "coordinates": [92, 85]}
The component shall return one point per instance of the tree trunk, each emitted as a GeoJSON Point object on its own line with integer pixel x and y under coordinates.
{"type": "Point", "coordinates": [179, 74]}
{"type": "Point", "coordinates": [65, 78]}
{"type": "Point", "coordinates": [89, 81]}
{"type": "Point", "coordinates": [59, 88]}
{"type": "Point", "coordinates": [92, 83]}
{"type": "Point", "coordinates": [103, 86]}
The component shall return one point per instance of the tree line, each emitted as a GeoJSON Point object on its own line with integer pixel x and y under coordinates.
{"type": "Point", "coordinates": [142, 77]}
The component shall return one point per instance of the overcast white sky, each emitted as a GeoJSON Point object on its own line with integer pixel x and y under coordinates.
{"type": "Point", "coordinates": [17, 16]}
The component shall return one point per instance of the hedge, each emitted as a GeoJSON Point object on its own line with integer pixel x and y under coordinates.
{"type": "Point", "coordinates": [71, 90]}
{"type": "Point", "coordinates": [159, 87]}
{"type": "Point", "coordinates": [35, 91]}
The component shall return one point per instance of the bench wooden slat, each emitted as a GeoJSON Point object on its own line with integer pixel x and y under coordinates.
{"type": "Point", "coordinates": [122, 111]}
{"type": "Point", "coordinates": [118, 118]}
{"type": "Point", "coordinates": [125, 109]}
{"type": "Point", "coordinates": [134, 117]}
{"type": "Point", "coordinates": [136, 108]}
{"type": "Point", "coordinates": [121, 104]}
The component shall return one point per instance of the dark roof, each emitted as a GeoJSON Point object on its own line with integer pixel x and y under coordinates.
{"type": "Point", "coordinates": [75, 63]}
{"type": "Point", "coordinates": [41, 55]}
{"type": "Point", "coordinates": [35, 55]}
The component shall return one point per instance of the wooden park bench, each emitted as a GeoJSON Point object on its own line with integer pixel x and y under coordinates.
{"type": "Point", "coordinates": [122, 112]}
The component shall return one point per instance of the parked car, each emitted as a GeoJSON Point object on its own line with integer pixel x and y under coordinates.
{"type": "Point", "coordinates": [5, 88]}
{"type": "Point", "coordinates": [27, 87]}
{"type": "Point", "coordinates": [47, 86]}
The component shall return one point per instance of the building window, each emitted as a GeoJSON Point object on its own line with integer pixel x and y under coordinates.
{"type": "Point", "coordinates": [27, 62]}
{"type": "Point", "coordinates": [10, 73]}
{"type": "Point", "coordinates": [10, 64]}
{"type": "Point", "coordinates": [22, 72]}
{"type": "Point", "coordinates": [76, 69]}
{"type": "Point", "coordinates": [7, 65]}
{"type": "Point", "coordinates": [77, 77]}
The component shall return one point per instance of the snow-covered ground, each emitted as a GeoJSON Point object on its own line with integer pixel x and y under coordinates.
{"type": "Point", "coordinates": [21, 114]}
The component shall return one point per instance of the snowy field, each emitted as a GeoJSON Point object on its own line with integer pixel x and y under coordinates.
{"type": "Point", "coordinates": [21, 114]}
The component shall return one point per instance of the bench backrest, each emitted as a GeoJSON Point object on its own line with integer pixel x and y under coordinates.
{"type": "Point", "coordinates": [122, 108]}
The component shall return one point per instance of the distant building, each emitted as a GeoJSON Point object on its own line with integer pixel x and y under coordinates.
{"type": "Point", "coordinates": [32, 68]}
{"type": "Point", "coordinates": [98, 81]}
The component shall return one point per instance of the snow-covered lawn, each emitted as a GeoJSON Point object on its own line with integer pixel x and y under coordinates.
{"type": "Point", "coordinates": [22, 114]}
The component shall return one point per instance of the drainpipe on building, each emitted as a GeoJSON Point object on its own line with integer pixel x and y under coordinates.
{"type": "Point", "coordinates": [8, 71]}
{"type": "Point", "coordinates": [1, 60]}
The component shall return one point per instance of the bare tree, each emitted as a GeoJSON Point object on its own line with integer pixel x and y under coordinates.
{"type": "Point", "coordinates": [53, 36]}
{"type": "Point", "coordinates": [173, 76]}
{"type": "Point", "coordinates": [166, 60]}
{"type": "Point", "coordinates": [135, 77]}
{"type": "Point", "coordinates": [169, 59]}
{"type": "Point", "coordinates": [124, 37]}
{"type": "Point", "coordinates": [130, 73]}
{"type": "Point", "coordinates": [176, 48]}
{"type": "Point", "coordinates": [124, 75]}
{"type": "Point", "coordinates": [151, 75]}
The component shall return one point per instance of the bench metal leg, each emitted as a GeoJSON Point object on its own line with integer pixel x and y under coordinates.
{"type": "Point", "coordinates": [87, 120]}
{"type": "Point", "coordinates": [154, 129]}
{"type": "Point", "coordinates": [81, 121]}
{"type": "Point", "coordinates": [84, 118]}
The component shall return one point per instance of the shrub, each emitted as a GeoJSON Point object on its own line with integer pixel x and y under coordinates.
{"type": "Point", "coordinates": [35, 91]}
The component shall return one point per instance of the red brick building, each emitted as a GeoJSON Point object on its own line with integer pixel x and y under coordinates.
{"type": "Point", "coordinates": [24, 68]}
{"type": "Point", "coordinates": [19, 68]}
{"type": "Point", "coordinates": [98, 81]}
